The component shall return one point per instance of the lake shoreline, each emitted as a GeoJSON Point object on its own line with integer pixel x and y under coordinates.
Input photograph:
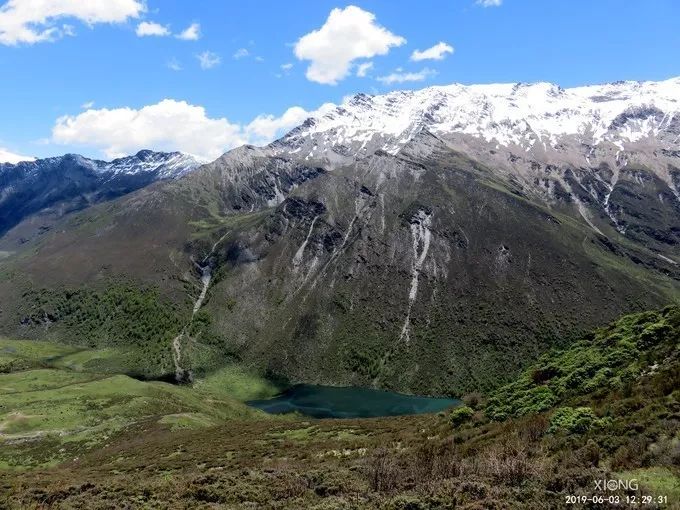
{"type": "Point", "coordinates": [320, 401]}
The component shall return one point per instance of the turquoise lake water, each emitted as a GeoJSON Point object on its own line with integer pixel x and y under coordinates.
{"type": "Point", "coordinates": [349, 402]}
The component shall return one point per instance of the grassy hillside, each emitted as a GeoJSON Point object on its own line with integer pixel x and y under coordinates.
{"type": "Point", "coordinates": [608, 361]}
{"type": "Point", "coordinates": [607, 407]}
{"type": "Point", "coordinates": [58, 402]}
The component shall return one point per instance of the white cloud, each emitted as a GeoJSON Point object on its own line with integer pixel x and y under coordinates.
{"type": "Point", "coordinates": [174, 64]}
{"type": "Point", "coordinates": [436, 52]}
{"type": "Point", "coordinates": [259, 59]}
{"type": "Point", "coordinates": [9, 157]}
{"type": "Point", "coordinates": [363, 68]}
{"type": "Point", "coordinates": [241, 53]}
{"type": "Point", "coordinates": [489, 3]}
{"type": "Point", "coordinates": [208, 59]}
{"type": "Point", "coordinates": [87, 105]}
{"type": "Point", "coordinates": [265, 128]}
{"type": "Point", "coordinates": [167, 125]}
{"type": "Point", "coordinates": [191, 33]}
{"type": "Point", "coordinates": [149, 28]}
{"type": "Point", "coordinates": [399, 76]}
{"type": "Point", "coordinates": [34, 21]}
{"type": "Point", "coordinates": [347, 34]}
{"type": "Point", "coordinates": [172, 125]}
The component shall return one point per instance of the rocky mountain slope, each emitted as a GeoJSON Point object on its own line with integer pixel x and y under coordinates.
{"type": "Point", "coordinates": [430, 241]}
{"type": "Point", "coordinates": [586, 144]}
{"type": "Point", "coordinates": [59, 185]}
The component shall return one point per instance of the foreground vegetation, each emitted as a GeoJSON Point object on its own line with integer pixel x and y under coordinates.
{"type": "Point", "coordinates": [608, 407]}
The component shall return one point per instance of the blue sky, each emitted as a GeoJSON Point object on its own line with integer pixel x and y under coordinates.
{"type": "Point", "coordinates": [82, 76]}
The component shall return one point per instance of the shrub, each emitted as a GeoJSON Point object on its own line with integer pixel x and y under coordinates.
{"type": "Point", "coordinates": [543, 374]}
{"type": "Point", "coordinates": [536, 400]}
{"type": "Point", "coordinates": [473, 400]}
{"type": "Point", "coordinates": [383, 472]}
{"type": "Point", "coordinates": [509, 464]}
{"type": "Point", "coordinates": [460, 415]}
{"type": "Point", "coordinates": [407, 502]}
{"type": "Point", "coordinates": [534, 428]}
{"type": "Point", "coordinates": [572, 419]}
{"type": "Point", "coordinates": [589, 454]}
{"type": "Point", "coordinates": [653, 334]}
{"type": "Point", "coordinates": [612, 358]}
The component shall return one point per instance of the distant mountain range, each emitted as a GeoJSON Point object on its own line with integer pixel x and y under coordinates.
{"type": "Point", "coordinates": [63, 184]}
{"type": "Point", "coordinates": [430, 241]}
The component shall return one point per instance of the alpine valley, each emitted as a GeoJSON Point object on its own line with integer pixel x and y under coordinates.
{"type": "Point", "coordinates": [432, 241]}
{"type": "Point", "coordinates": [513, 249]}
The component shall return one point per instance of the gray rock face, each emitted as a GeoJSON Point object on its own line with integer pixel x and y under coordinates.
{"type": "Point", "coordinates": [587, 147]}
{"type": "Point", "coordinates": [426, 270]}
{"type": "Point", "coordinates": [67, 183]}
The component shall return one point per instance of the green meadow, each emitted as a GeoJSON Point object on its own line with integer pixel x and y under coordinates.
{"type": "Point", "coordinates": [57, 401]}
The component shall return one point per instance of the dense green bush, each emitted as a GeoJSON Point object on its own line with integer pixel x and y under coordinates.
{"type": "Point", "coordinates": [460, 415]}
{"type": "Point", "coordinates": [572, 419]}
{"type": "Point", "coordinates": [520, 398]}
{"type": "Point", "coordinates": [610, 359]}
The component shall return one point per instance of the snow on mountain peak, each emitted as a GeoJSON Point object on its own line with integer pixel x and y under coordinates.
{"type": "Point", "coordinates": [168, 164]}
{"type": "Point", "coordinates": [508, 114]}
{"type": "Point", "coordinates": [165, 165]}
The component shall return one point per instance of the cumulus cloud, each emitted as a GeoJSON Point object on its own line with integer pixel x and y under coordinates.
{"type": "Point", "coordinates": [171, 125]}
{"type": "Point", "coordinates": [149, 28]}
{"type": "Point", "coordinates": [167, 125]}
{"type": "Point", "coordinates": [265, 128]}
{"type": "Point", "coordinates": [34, 21]}
{"type": "Point", "coordinates": [489, 3]}
{"type": "Point", "coordinates": [399, 76]}
{"type": "Point", "coordinates": [191, 33]}
{"type": "Point", "coordinates": [436, 52]}
{"type": "Point", "coordinates": [362, 69]}
{"type": "Point", "coordinates": [348, 34]}
{"type": "Point", "coordinates": [208, 59]}
{"type": "Point", "coordinates": [10, 157]}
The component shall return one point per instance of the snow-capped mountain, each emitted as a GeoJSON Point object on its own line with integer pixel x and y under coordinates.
{"type": "Point", "coordinates": [65, 183]}
{"type": "Point", "coordinates": [165, 165]}
{"type": "Point", "coordinates": [577, 144]}
{"type": "Point", "coordinates": [518, 115]}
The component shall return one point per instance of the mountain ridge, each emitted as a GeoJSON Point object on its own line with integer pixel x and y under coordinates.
{"type": "Point", "coordinates": [494, 108]}
{"type": "Point", "coordinates": [57, 185]}
{"type": "Point", "coordinates": [582, 144]}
